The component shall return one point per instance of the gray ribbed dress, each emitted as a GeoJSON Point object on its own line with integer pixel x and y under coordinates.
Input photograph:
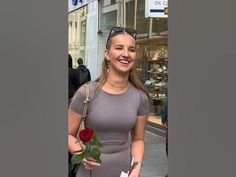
{"type": "Point", "coordinates": [111, 116]}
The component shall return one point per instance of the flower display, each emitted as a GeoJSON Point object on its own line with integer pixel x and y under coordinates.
{"type": "Point", "coordinates": [91, 147]}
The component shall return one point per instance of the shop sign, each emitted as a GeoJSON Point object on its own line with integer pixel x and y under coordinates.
{"type": "Point", "coordinates": [75, 4]}
{"type": "Point", "coordinates": [156, 8]}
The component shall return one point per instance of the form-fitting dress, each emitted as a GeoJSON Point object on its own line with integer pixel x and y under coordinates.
{"type": "Point", "coordinates": [111, 116]}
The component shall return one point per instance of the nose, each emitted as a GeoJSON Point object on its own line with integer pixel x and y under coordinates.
{"type": "Point", "coordinates": [125, 52]}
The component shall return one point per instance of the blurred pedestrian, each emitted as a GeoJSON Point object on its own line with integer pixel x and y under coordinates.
{"type": "Point", "coordinates": [82, 73]}
{"type": "Point", "coordinates": [71, 79]}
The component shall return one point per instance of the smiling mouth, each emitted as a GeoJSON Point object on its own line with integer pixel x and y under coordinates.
{"type": "Point", "coordinates": [124, 61]}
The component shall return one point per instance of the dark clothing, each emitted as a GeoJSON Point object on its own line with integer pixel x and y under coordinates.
{"type": "Point", "coordinates": [167, 141]}
{"type": "Point", "coordinates": [164, 113]}
{"type": "Point", "coordinates": [72, 82]}
{"type": "Point", "coordinates": [164, 119]}
{"type": "Point", "coordinates": [82, 75]}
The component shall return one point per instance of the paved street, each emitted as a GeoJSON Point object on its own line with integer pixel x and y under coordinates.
{"type": "Point", "coordinates": [155, 159]}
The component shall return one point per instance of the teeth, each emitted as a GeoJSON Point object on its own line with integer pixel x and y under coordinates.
{"type": "Point", "coordinates": [124, 61]}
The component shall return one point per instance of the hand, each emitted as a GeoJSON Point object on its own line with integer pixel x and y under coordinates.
{"type": "Point", "coordinates": [90, 163]}
{"type": "Point", "coordinates": [135, 172]}
{"type": "Point", "coordinates": [165, 124]}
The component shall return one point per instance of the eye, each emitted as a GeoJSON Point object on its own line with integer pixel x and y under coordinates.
{"type": "Point", "coordinates": [118, 48]}
{"type": "Point", "coordinates": [132, 50]}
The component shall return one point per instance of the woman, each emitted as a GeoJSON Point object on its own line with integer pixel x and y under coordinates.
{"type": "Point", "coordinates": [117, 112]}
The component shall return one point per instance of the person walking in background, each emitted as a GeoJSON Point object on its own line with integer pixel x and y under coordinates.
{"type": "Point", "coordinates": [71, 79]}
{"type": "Point", "coordinates": [82, 73]}
{"type": "Point", "coordinates": [117, 111]}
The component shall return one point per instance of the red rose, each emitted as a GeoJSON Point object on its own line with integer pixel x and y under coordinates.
{"type": "Point", "coordinates": [86, 134]}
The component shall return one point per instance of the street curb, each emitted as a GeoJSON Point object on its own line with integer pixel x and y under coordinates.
{"type": "Point", "coordinates": [157, 129]}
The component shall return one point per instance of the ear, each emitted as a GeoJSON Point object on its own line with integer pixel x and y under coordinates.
{"type": "Point", "coordinates": [106, 54]}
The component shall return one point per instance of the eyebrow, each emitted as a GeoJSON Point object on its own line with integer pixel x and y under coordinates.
{"type": "Point", "coordinates": [120, 45]}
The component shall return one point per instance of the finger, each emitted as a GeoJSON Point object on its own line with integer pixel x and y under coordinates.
{"type": "Point", "coordinates": [92, 163]}
{"type": "Point", "coordinates": [84, 162]}
{"type": "Point", "coordinates": [91, 159]}
{"type": "Point", "coordinates": [95, 164]}
{"type": "Point", "coordinates": [88, 167]}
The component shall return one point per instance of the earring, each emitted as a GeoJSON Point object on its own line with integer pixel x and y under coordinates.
{"type": "Point", "coordinates": [130, 74]}
{"type": "Point", "coordinates": [108, 66]}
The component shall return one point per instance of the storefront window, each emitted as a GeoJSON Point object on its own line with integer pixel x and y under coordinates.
{"type": "Point", "coordinates": [152, 68]}
{"type": "Point", "coordinates": [152, 55]}
{"type": "Point", "coordinates": [159, 26]}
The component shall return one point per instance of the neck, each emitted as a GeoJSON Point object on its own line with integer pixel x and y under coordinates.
{"type": "Point", "coordinates": [120, 85]}
{"type": "Point", "coordinates": [116, 81]}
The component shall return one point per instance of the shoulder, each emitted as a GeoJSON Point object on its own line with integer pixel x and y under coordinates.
{"type": "Point", "coordinates": [78, 69]}
{"type": "Point", "coordinates": [71, 70]}
{"type": "Point", "coordinates": [91, 84]}
{"type": "Point", "coordinates": [142, 101]}
{"type": "Point", "coordinates": [92, 87]}
{"type": "Point", "coordinates": [144, 98]}
{"type": "Point", "coordinates": [140, 92]}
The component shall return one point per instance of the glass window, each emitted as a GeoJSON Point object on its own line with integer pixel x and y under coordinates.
{"type": "Point", "coordinates": [83, 33]}
{"type": "Point", "coordinates": [113, 1]}
{"type": "Point", "coordinates": [152, 68]}
{"type": "Point", "coordinates": [83, 22]}
{"type": "Point", "coordinates": [108, 20]}
{"type": "Point", "coordinates": [159, 26]}
{"type": "Point", "coordinates": [129, 11]}
{"type": "Point", "coordinates": [142, 23]}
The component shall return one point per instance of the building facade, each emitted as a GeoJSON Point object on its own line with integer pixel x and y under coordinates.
{"type": "Point", "coordinates": [89, 23]}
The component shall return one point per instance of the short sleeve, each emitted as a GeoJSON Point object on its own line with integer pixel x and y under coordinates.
{"type": "Point", "coordinates": [143, 104]}
{"type": "Point", "coordinates": [77, 102]}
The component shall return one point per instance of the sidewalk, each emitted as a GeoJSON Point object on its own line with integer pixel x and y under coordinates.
{"type": "Point", "coordinates": [155, 160]}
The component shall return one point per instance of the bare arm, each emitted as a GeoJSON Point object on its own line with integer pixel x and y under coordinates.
{"type": "Point", "coordinates": [137, 144]}
{"type": "Point", "coordinates": [74, 121]}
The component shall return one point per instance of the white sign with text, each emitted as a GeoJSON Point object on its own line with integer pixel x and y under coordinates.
{"type": "Point", "coordinates": [156, 8]}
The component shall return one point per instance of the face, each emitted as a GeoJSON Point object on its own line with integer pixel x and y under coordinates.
{"type": "Point", "coordinates": [121, 54]}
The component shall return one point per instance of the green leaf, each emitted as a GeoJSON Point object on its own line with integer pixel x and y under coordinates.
{"type": "Point", "coordinates": [95, 152]}
{"type": "Point", "coordinates": [94, 138]}
{"type": "Point", "coordinates": [93, 143]}
{"type": "Point", "coordinates": [76, 159]}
